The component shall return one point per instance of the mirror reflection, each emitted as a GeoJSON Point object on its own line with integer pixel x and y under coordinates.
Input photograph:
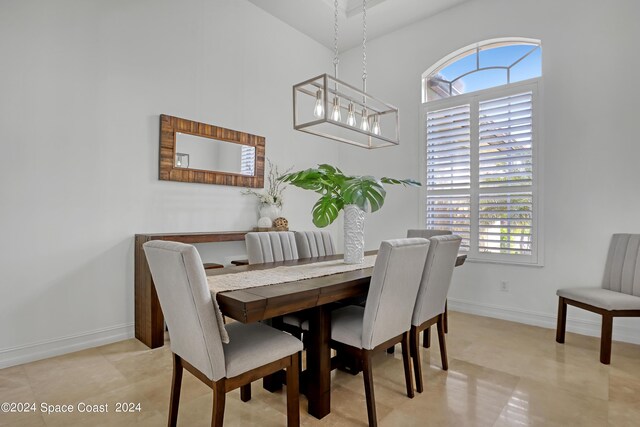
{"type": "Point", "coordinates": [214, 155]}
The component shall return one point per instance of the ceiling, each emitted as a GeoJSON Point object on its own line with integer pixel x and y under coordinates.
{"type": "Point", "coordinates": [315, 17]}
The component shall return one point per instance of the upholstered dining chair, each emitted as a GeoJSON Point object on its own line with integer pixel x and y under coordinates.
{"type": "Point", "coordinates": [427, 234]}
{"type": "Point", "coordinates": [274, 246]}
{"type": "Point", "coordinates": [619, 295]}
{"type": "Point", "coordinates": [271, 246]}
{"type": "Point", "coordinates": [432, 296]}
{"type": "Point", "coordinates": [314, 243]}
{"type": "Point", "coordinates": [197, 335]}
{"type": "Point", "coordinates": [310, 244]}
{"type": "Point", "coordinates": [386, 318]}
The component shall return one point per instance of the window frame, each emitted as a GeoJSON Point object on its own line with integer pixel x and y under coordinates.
{"type": "Point", "coordinates": [474, 47]}
{"type": "Point", "coordinates": [535, 86]}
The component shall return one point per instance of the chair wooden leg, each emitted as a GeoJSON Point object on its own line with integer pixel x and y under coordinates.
{"type": "Point", "coordinates": [293, 397]}
{"type": "Point", "coordinates": [367, 372]}
{"type": "Point", "coordinates": [414, 340]}
{"type": "Point", "coordinates": [176, 383]}
{"type": "Point", "coordinates": [219, 396]}
{"type": "Point", "coordinates": [408, 378]}
{"type": "Point", "coordinates": [442, 342]}
{"type": "Point", "coordinates": [605, 339]}
{"type": "Point", "coordinates": [426, 337]}
{"type": "Point", "coordinates": [446, 318]}
{"type": "Point", "coordinates": [245, 392]}
{"type": "Point", "coordinates": [562, 320]}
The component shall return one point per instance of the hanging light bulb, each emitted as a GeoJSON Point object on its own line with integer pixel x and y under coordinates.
{"type": "Point", "coordinates": [376, 125]}
{"type": "Point", "coordinates": [364, 125]}
{"type": "Point", "coordinates": [351, 116]}
{"type": "Point", "coordinates": [318, 111]}
{"type": "Point", "coordinates": [335, 114]}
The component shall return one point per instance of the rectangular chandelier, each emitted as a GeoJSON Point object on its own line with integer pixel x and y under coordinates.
{"type": "Point", "coordinates": [328, 107]}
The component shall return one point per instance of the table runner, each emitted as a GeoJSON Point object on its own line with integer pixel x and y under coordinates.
{"type": "Point", "coordinates": [283, 274]}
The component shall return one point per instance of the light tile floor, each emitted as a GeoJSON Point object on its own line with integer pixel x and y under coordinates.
{"type": "Point", "coordinates": [500, 374]}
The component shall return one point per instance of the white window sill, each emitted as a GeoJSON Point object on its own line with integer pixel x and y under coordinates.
{"type": "Point", "coordinates": [513, 263]}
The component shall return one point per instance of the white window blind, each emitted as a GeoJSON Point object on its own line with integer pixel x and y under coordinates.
{"type": "Point", "coordinates": [480, 180]}
{"type": "Point", "coordinates": [505, 223]}
{"type": "Point", "coordinates": [449, 171]}
{"type": "Point", "coordinates": [505, 161]}
{"type": "Point", "coordinates": [505, 141]}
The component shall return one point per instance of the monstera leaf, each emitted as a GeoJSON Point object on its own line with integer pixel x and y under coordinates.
{"type": "Point", "coordinates": [338, 190]}
{"type": "Point", "coordinates": [326, 210]}
{"type": "Point", "coordinates": [366, 192]}
{"type": "Point", "coordinates": [405, 182]}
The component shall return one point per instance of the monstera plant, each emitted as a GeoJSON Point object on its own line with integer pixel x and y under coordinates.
{"type": "Point", "coordinates": [355, 194]}
{"type": "Point", "coordinates": [339, 190]}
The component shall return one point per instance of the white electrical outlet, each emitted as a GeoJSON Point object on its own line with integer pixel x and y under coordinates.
{"type": "Point", "coordinates": [504, 286]}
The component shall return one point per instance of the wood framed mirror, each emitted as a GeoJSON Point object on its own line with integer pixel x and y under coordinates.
{"type": "Point", "coordinates": [197, 152]}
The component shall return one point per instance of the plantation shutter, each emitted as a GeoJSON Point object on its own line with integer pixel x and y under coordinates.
{"type": "Point", "coordinates": [480, 179]}
{"type": "Point", "coordinates": [449, 171]}
{"type": "Point", "coordinates": [505, 163]}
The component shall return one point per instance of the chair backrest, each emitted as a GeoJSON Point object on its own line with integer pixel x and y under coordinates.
{"type": "Point", "coordinates": [427, 234]}
{"type": "Point", "coordinates": [436, 278]}
{"type": "Point", "coordinates": [622, 271]}
{"type": "Point", "coordinates": [186, 302]}
{"type": "Point", "coordinates": [271, 246]}
{"type": "Point", "coordinates": [393, 290]}
{"type": "Point", "coordinates": [314, 243]}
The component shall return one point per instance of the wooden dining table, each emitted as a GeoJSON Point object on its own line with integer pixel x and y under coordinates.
{"type": "Point", "coordinates": [315, 296]}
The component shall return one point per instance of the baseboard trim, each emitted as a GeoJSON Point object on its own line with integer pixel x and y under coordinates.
{"type": "Point", "coordinates": [544, 320]}
{"type": "Point", "coordinates": [68, 344]}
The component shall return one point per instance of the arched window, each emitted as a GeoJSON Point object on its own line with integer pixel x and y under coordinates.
{"type": "Point", "coordinates": [482, 66]}
{"type": "Point", "coordinates": [480, 113]}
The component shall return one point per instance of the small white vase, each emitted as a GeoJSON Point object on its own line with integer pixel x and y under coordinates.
{"type": "Point", "coordinates": [353, 234]}
{"type": "Point", "coordinates": [270, 211]}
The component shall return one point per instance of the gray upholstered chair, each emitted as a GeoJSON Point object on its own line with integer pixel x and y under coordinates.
{"type": "Point", "coordinates": [314, 243]}
{"type": "Point", "coordinates": [271, 246]}
{"type": "Point", "coordinates": [619, 295]}
{"type": "Point", "coordinates": [310, 244]}
{"type": "Point", "coordinates": [275, 246]}
{"type": "Point", "coordinates": [427, 234]}
{"type": "Point", "coordinates": [430, 304]}
{"type": "Point", "coordinates": [197, 335]}
{"type": "Point", "coordinates": [386, 318]}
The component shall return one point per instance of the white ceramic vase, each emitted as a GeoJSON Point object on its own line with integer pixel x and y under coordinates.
{"type": "Point", "coordinates": [353, 234]}
{"type": "Point", "coordinates": [270, 211]}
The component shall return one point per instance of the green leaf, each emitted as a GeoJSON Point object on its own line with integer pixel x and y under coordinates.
{"type": "Point", "coordinates": [365, 191]}
{"type": "Point", "coordinates": [327, 168]}
{"type": "Point", "coordinates": [405, 182]}
{"type": "Point", "coordinates": [309, 179]}
{"type": "Point", "coordinates": [326, 210]}
{"type": "Point", "coordinates": [338, 189]}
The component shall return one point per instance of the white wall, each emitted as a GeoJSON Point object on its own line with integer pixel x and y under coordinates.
{"type": "Point", "coordinates": [591, 146]}
{"type": "Point", "coordinates": [82, 85]}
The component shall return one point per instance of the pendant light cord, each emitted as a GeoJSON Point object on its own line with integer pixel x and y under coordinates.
{"type": "Point", "coordinates": [364, 45]}
{"type": "Point", "coordinates": [335, 39]}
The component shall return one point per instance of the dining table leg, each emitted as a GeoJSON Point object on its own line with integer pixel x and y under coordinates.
{"type": "Point", "coordinates": [319, 362]}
